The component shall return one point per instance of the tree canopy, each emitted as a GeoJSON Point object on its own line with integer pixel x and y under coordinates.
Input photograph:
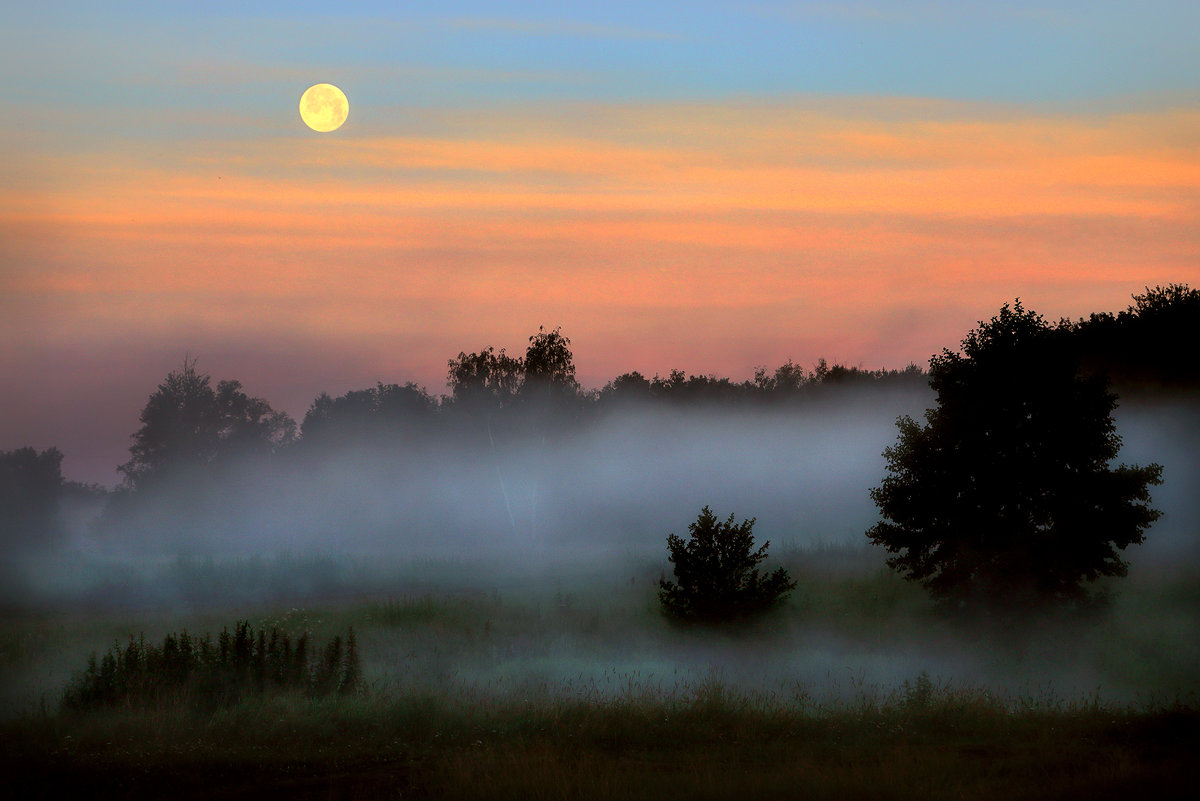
{"type": "Point", "coordinates": [31, 486]}
{"type": "Point", "coordinates": [1148, 347]}
{"type": "Point", "coordinates": [186, 424]}
{"type": "Point", "coordinates": [549, 365]}
{"type": "Point", "coordinates": [486, 379]}
{"type": "Point", "coordinates": [382, 409]}
{"type": "Point", "coordinates": [1006, 495]}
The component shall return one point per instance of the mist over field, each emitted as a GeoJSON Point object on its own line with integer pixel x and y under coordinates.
{"type": "Point", "coordinates": [506, 541]}
{"type": "Point", "coordinates": [564, 587]}
{"type": "Point", "coordinates": [624, 482]}
{"type": "Point", "coordinates": [601, 496]}
{"type": "Point", "coordinates": [501, 579]}
{"type": "Point", "coordinates": [1167, 433]}
{"type": "Point", "coordinates": [606, 490]}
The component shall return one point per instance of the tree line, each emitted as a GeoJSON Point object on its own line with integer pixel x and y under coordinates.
{"type": "Point", "coordinates": [190, 430]}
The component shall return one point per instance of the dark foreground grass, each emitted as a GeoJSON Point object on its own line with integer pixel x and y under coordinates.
{"type": "Point", "coordinates": [712, 743]}
{"type": "Point", "coordinates": [589, 694]}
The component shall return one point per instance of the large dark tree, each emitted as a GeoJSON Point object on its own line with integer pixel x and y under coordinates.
{"type": "Point", "coordinates": [1006, 496]}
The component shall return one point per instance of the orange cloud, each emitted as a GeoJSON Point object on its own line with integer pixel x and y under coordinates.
{"type": "Point", "coordinates": [805, 221]}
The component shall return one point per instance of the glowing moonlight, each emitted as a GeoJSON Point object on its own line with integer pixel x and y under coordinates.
{"type": "Point", "coordinates": [324, 107]}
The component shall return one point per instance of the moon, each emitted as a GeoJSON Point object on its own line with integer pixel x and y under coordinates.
{"type": "Point", "coordinates": [324, 107]}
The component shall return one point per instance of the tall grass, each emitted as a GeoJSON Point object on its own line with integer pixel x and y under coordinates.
{"type": "Point", "coordinates": [209, 671]}
{"type": "Point", "coordinates": [924, 739]}
{"type": "Point", "coordinates": [584, 691]}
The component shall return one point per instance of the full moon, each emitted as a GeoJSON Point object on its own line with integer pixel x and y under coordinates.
{"type": "Point", "coordinates": [324, 107]}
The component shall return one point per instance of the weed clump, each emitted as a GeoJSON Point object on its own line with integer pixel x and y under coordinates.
{"type": "Point", "coordinates": [215, 671]}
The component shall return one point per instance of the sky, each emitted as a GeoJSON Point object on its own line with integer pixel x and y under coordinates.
{"type": "Point", "coordinates": [703, 186]}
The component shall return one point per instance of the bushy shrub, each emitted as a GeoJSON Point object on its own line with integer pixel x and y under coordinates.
{"type": "Point", "coordinates": [215, 671]}
{"type": "Point", "coordinates": [717, 573]}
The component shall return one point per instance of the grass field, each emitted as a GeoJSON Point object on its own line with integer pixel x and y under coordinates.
{"type": "Point", "coordinates": [575, 687]}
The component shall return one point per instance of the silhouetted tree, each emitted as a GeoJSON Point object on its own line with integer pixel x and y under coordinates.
{"type": "Point", "coordinates": [187, 425]}
{"type": "Point", "coordinates": [485, 379]}
{"type": "Point", "coordinates": [31, 487]}
{"type": "Point", "coordinates": [249, 425]}
{"type": "Point", "coordinates": [382, 409]}
{"type": "Point", "coordinates": [625, 388]}
{"type": "Point", "coordinates": [827, 376]}
{"type": "Point", "coordinates": [680, 388]}
{"type": "Point", "coordinates": [1005, 497]}
{"type": "Point", "coordinates": [485, 388]}
{"type": "Point", "coordinates": [717, 573]}
{"type": "Point", "coordinates": [549, 366]}
{"type": "Point", "coordinates": [670, 386]}
{"type": "Point", "coordinates": [1148, 347]}
{"type": "Point", "coordinates": [787, 380]}
{"type": "Point", "coordinates": [180, 426]}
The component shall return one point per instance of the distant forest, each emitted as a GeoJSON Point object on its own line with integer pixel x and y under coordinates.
{"type": "Point", "coordinates": [199, 436]}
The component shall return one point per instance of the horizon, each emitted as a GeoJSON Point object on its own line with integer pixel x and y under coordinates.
{"type": "Point", "coordinates": [105, 448]}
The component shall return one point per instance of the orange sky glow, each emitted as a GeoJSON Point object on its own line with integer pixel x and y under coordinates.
{"type": "Point", "coordinates": [707, 237]}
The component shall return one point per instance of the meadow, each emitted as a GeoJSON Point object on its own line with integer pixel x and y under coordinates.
{"type": "Point", "coordinates": [565, 681]}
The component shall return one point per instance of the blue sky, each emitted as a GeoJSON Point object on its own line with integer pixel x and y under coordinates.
{"type": "Point", "coordinates": [165, 54]}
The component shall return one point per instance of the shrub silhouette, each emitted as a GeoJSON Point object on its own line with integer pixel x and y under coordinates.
{"type": "Point", "coordinates": [717, 573]}
{"type": "Point", "coordinates": [214, 672]}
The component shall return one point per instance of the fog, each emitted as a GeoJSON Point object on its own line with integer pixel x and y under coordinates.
{"type": "Point", "coordinates": [606, 492]}
{"type": "Point", "coordinates": [1166, 433]}
{"type": "Point", "coordinates": [621, 484]}
{"type": "Point", "coordinates": [571, 527]}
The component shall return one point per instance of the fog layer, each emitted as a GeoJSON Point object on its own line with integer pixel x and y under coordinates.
{"type": "Point", "coordinates": [517, 503]}
{"type": "Point", "coordinates": [519, 564]}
